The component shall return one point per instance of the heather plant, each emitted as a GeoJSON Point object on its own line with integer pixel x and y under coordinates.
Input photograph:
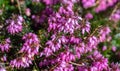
{"type": "Point", "coordinates": [59, 35]}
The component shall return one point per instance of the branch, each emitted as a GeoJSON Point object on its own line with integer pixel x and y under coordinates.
{"type": "Point", "coordinates": [75, 64]}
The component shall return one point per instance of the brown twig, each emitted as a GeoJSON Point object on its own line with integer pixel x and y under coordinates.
{"type": "Point", "coordinates": [19, 6]}
{"type": "Point", "coordinates": [93, 32]}
{"type": "Point", "coordinates": [97, 2]}
{"type": "Point", "coordinates": [75, 64]}
{"type": "Point", "coordinates": [116, 7]}
{"type": "Point", "coordinates": [54, 67]}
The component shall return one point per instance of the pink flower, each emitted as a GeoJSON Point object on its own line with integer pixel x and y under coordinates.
{"type": "Point", "coordinates": [88, 3]}
{"type": "Point", "coordinates": [50, 2]}
{"type": "Point", "coordinates": [5, 45]}
{"type": "Point", "coordinates": [104, 4]}
{"type": "Point", "coordinates": [114, 67]}
{"type": "Point", "coordinates": [64, 21]}
{"type": "Point", "coordinates": [66, 56]}
{"type": "Point", "coordinates": [28, 12]}
{"type": "Point", "coordinates": [104, 48]}
{"type": "Point", "coordinates": [85, 27]}
{"type": "Point", "coordinates": [88, 16]}
{"type": "Point", "coordinates": [31, 45]}
{"type": "Point", "coordinates": [4, 58]}
{"type": "Point", "coordinates": [115, 16]}
{"type": "Point", "coordinates": [99, 62]}
{"type": "Point", "coordinates": [15, 25]}
{"type": "Point", "coordinates": [92, 43]}
{"type": "Point", "coordinates": [114, 48]}
{"type": "Point", "coordinates": [2, 69]}
{"type": "Point", "coordinates": [79, 50]}
{"type": "Point", "coordinates": [63, 66]}
{"type": "Point", "coordinates": [104, 32]}
{"type": "Point", "coordinates": [21, 62]}
{"type": "Point", "coordinates": [53, 45]}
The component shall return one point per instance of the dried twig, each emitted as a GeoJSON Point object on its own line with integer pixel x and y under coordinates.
{"type": "Point", "coordinates": [75, 64]}
{"type": "Point", "coordinates": [19, 6]}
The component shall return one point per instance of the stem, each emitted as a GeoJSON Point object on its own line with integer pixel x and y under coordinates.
{"type": "Point", "coordinates": [116, 7]}
{"type": "Point", "coordinates": [19, 6]}
{"type": "Point", "coordinates": [93, 32]}
{"type": "Point", "coordinates": [54, 67]}
{"type": "Point", "coordinates": [97, 2]}
{"type": "Point", "coordinates": [75, 64]}
{"type": "Point", "coordinates": [36, 65]}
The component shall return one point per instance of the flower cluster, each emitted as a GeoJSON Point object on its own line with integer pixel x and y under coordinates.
{"type": "Point", "coordinates": [50, 2]}
{"type": "Point", "coordinates": [66, 56]}
{"type": "Point", "coordinates": [64, 66]}
{"type": "Point", "coordinates": [14, 24]}
{"type": "Point", "coordinates": [100, 5]}
{"type": "Point", "coordinates": [88, 16]}
{"type": "Point", "coordinates": [3, 58]}
{"type": "Point", "coordinates": [88, 3]}
{"type": "Point", "coordinates": [29, 49]}
{"type": "Point", "coordinates": [47, 2]}
{"type": "Point", "coordinates": [104, 4]}
{"type": "Point", "coordinates": [114, 67]}
{"type": "Point", "coordinates": [85, 27]}
{"type": "Point", "coordinates": [61, 35]}
{"type": "Point", "coordinates": [103, 35]}
{"type": "Point", "coordinates": [98, 63]}
{"type": "Point", "coordinates": [115, 16]}
{"type": "Point", "coordinates": [65, 21]}
{"type": "Point", "coordinates": [47, 62]}
{"type": "Point", "coordinates": [21, 62]}
{"type": "Point", "coordinates": [31, 45]}
{"type": "Point", "coordinates": [2, 68]}
{"type": "Point", "coordinates": [53, 45]}
{"type": "Point", "coordinates": [62, 23]}
{"type": "Point", "coordinates": [5, 45]}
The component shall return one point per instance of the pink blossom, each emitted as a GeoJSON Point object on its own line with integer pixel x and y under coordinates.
{"type": "Point", "coordinates": [15, 25]}
{"type": "Point", "coordinates": [114, 48]}
{"type": "Point", "coordinates": [104, 48]}
{"type": "Point", "coordinates": [88, 16]}
{"type": "Point", "coordinates": [5, 45]}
